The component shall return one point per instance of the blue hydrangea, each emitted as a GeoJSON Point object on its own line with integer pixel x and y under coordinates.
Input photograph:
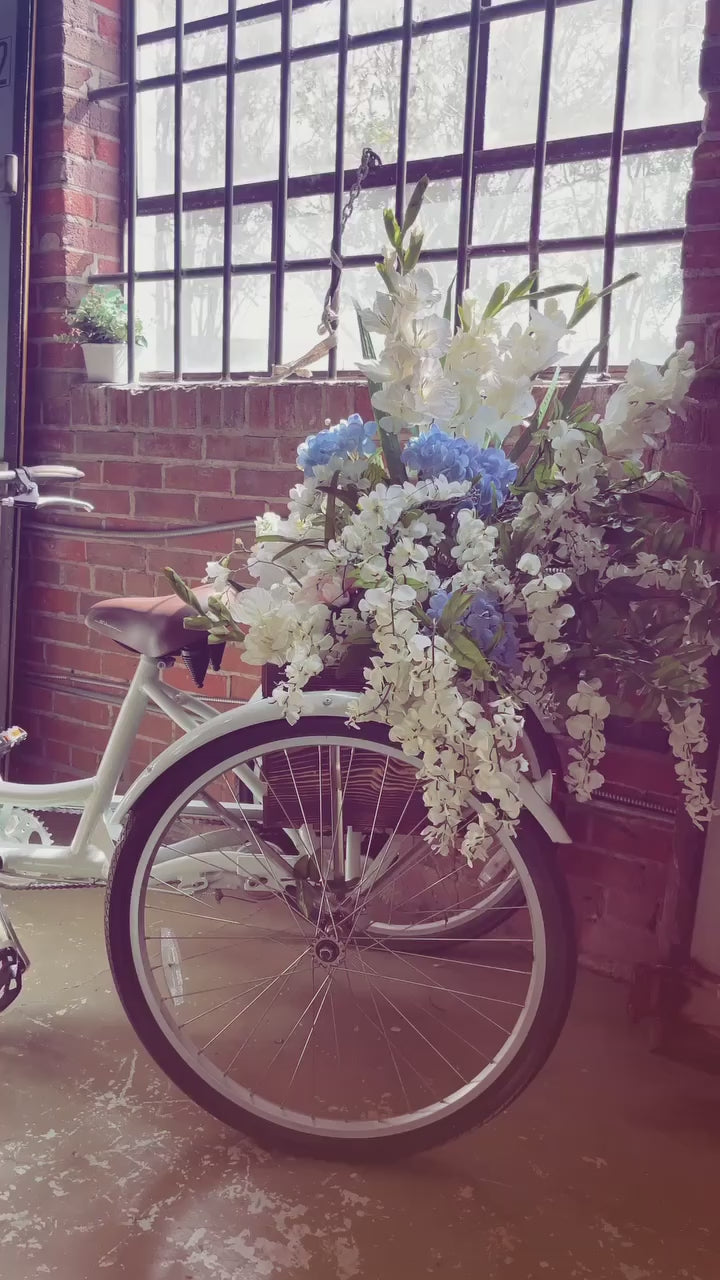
{"type": "Point", "coordinates": [437, 453]}
{"type": "Point", "coordinates": [352, 436]}
{"type": "Point", "coordinates": [482, 620]}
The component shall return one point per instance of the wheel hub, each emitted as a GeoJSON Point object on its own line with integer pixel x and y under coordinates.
{"type": "Point", "coordinates": [328, 951]}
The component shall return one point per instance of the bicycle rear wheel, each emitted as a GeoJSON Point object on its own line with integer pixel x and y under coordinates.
{"type": "Point", "coordinates": [306, 1017]}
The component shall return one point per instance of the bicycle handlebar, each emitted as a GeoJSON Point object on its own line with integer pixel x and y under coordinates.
{"type": "Point", "coordinates": [27, 494]}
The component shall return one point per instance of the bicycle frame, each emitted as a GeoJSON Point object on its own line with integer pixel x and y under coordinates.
{"type": "Point", "coordinates": [101, 809]}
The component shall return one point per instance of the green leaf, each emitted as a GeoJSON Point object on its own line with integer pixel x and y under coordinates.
{"type": "Point", "coordinates": [618, 284]}
{"type": "Point", "coordinates": [522, 289]}
{"type": "Point", "coordinates": [467, 654]}
{"type": "Point", "coordinates": [542, 412]}
{"type": "Point", "coordinates": [447, 313]}
{"type": "Point", "coordinates": [457, 605]}
{"type": "Point", "coordinates": [415, 204]}
{"type": "Point", "coordinates": [497, 300]}
{"type": "Point", "coordinates": [330, 528]}
{"type": "Point", "coordinates": [196, 623]}
{"type": "Point", "coordinates": [572, 390]}
{"type": "Point", "coordinates": [412, 254]}
{"type": "Point", "coordinates": [366, 342]}
{"type": "Point", "coordinates": [182, 590]}
{"type": "Point", "coordinates": [552, 291]}
{"type": "Point", "coordinates": [392, 228]}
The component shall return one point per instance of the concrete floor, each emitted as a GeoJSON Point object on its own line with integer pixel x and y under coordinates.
{"type": "Point", "coordinates": [606, 1168]}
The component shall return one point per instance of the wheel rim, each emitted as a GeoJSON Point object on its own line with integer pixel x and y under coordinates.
{"type": "Point", "coordinates": [322, 1026]}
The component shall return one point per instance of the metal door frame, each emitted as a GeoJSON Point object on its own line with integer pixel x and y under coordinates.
{"type": "Point", "coordinates": [24, 75]}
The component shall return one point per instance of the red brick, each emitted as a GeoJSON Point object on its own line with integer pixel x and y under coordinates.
{"type": "Point", "coordinates": [107, 151]}
{"type": "Point", "coordinates": [108, 581]}
{"type": "Point", "coordinates": [186, 408]}
{"type": "Point", "coordinates": [163, 408]}
{"type": "Point", "coordinates": [268, 484]}
{"type": "Point", "coordinates": [135, 475]}
{"type": "Point", "coordinates": [239, 448]}
{"type": "Point", "coordinates": [63, 201]}
{"type": "Point", "coordinates": [211, 510]}
{"type": "Point", "coordinates": [109, 28]}
{"type": "Point", "coordinates": [50, 600]}
{"type": "Point", "coordinates": [74, 574]}
{"type": "Point", "coordinates": [55, 355]}
{"type": "Point", "coordinates": [210, 406]}
{"type": "Point", "coordinates": [108, 212]}
{"type": "Point", "coordinates": [137, 583]}
{"type": "Point", "coordinates": [55, 262]}
{"type": "Point", "coordinates": [165, 506]}
{"type": "Point", "coordinates": [701, 295]}
{"type": "Point", "coordinates": [170, 447]}
{"type": "Point", "coordinates": [193, 479]}
{"type": "Point", "coordinates": [66, 657]}
{"type": "Point", "coordinates": [104, 444]}
{"type": "Point", "coordinates": [110, 502]}
{"type": "Point", "coordinates": [116, 554]}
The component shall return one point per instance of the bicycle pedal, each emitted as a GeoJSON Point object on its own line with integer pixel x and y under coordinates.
{"type": "Point", "coordinates": [12, 969]}
{"type": "Point", "coordinates": [10, 738]}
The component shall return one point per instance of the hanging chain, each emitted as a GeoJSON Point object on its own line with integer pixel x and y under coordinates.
{"type": "Point", "coordinates": [369, 160]}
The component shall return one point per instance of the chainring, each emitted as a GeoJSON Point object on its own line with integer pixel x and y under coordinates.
{"type": "Point", "coordinates": [20, 826]}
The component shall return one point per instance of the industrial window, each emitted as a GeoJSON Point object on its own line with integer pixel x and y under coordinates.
{"type": "Point", "coordinates": [558, 136]}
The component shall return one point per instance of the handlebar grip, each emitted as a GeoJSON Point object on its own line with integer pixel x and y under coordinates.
{"type": "Point", "coordinates": [73, 504]}
{"type": "Point", "coordinates": [51, 472]}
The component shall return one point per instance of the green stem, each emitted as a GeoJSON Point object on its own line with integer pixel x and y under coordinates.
{"type": "Point", "coordinates": [390, 445]}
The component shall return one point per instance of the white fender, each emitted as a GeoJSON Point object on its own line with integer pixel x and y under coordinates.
{"type": "Point", "coordinates": [325, 703]}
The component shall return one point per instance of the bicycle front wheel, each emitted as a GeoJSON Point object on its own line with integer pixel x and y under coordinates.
{"type": "Point", "coordinates": [297, 1007]}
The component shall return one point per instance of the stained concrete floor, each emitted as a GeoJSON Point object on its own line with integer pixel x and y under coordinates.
{"type": "Point", "coordinates": [606, 1168]}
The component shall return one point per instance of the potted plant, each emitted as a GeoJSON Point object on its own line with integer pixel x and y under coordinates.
{"type": "Point", "coordinates": [99, 325]}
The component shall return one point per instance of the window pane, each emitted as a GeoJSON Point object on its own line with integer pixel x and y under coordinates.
{"type": "Point", "coordinates": [513, 80]}
{"type": "Point", "coordinates": [257, 119]}
{"type": "Point", "coordinates": [436, 109]}
{"type": "Point", "coordinates": [359, 285]}
{"type": "Point", "coordinates": [204, 134]}
{"type": "Point", "coordinates": [202, 326]}
{"type": "Point", "coordinates": [155, 141]}
{"type": "Point", "coordinates": [653, 190]}
{"type": "Point", "coordinates": [574, 268]}
{"type": "Point", "coordinates": [365, 232]}
{"type": "Point", "coordinates": [154, 242]}
{"type": "Point", "coordinates": [195, 9]}
{"type": "Point", "coordinates": [205, 49]}
{"type": "Point", "coordinates": [487, 273]}
{"type": "Point", "coordinates": [250, 324]}
{"type": "Point", "coordinates": [259, 35]}
{"type": "Point", "coordinates": [154, 307]}
{"type": "Point", "coordinates": [304, 298]}
{"type": "Point", "coordinates": [312, 123]}
{"type": "Point", "coordinates": [646, 312]}
{"type": "Point", "coordinates": [438, 8]}
{"type": "Point", "coordinates": [155, 59]}
{"type": "Point", "coordinates": [502, 207]}
{"type": "Point", "coordinates": [372, 102]}
{"type": "Point", "coordinates": [663, 69]}
{"type": "Point", "coordinates": [252, 233]}
{"type": "Point", "coordinates": [575, 199]}
{"type": "Point", "coordinates": [374, 15]}
{"type": "Point", "coordinates": [309, 227]}
{"type": "Point", "coordinates": [315, 25]}
{"type": "Point", "coordinates": [584, 69]}
{"type": "Point", "coordinates": [153, 15]}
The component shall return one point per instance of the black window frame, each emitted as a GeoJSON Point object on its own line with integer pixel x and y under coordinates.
{"type": "Point", "coordinates": [474, 161]}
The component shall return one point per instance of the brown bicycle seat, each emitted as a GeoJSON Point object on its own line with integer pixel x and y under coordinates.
{"type": "Point", "coordinates": [151, 625]}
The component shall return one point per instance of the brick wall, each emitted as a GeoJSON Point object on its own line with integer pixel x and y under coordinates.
{"type": "Point", "coordinates": [165, 456]}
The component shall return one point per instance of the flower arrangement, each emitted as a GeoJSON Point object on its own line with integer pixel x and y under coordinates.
{"type": "Point", "coordinates": [484, 546]}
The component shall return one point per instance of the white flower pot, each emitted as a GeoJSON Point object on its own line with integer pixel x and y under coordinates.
{"type": "Point", "coordinates": [105, 361]}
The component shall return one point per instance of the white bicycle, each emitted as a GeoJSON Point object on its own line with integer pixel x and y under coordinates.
{"type": "Point", "coordinates": [283, 941]}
